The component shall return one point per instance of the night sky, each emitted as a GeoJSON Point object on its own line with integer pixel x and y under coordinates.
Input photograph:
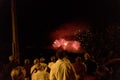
{"type": "Point", "coordinates": [37, 19]}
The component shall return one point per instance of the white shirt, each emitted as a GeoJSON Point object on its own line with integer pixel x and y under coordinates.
{"type": "Point", "coordinates": [33, 71]}
{"type": "Point", "coordinates": [41, 75]}
{"type": "Point", "coordinates": [62, 70]}
{"type": "Point", "coordinates": [50, 64]}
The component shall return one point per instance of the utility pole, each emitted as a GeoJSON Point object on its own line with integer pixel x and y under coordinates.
{"type": "Point", "coordinates": [15, 44]}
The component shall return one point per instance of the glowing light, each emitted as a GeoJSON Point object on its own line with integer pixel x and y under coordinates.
{"type": "Point", "coordinates": [69, 45]}
{"type": "Point", "coordinates": [56, 44]}
{"type": "Point", "coordinates": [65, 35]}
{"type": "Point", "coordinates": [76, 45]}
{"type": "Point", "coordinates": [65, 44]}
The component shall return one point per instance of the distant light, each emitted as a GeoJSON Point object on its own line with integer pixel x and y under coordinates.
{"type": "Point", "coordinates": [69, 45]}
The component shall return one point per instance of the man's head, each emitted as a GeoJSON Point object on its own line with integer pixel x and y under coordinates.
{"type": "Point", "coordinates": [53, 58]}
{"type": "Point", "coordinates": [11, 58]}
{"type": "Point", "coordinates": [86, 56]}
{"type": "Point", "coordinates": [78, 59]}
{"type": "Point", "coordinates": [36, 61]}
{"type": "Point", "coordinates": [60, 53]}
{"type": "Point", "coordinates": [42, 60]}
{"type": "Point", "coordinates": [26, 61]}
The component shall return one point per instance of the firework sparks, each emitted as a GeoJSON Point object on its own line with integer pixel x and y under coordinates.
{"type": "Point", "coordinates": [69, 45]}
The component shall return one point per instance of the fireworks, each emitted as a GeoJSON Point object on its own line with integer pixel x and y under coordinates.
{"type": "Point", "coordinates": [69, 45]}
{"type": "Point", "coordinates": [68, 36]}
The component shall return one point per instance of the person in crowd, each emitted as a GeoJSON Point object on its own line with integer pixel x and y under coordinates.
{"type": "Point", "coordinates": [18, 73]}
{"type": "Point", "coordinates": [80, 68]}
{"type": "Point", "coordinates": [33, 69]}
{"type": "Point", "coordinates": [52, 59]}
{"type": "Point", "coordinates": [91, 67]}
{"type": "Point", "coordinates": [27, 67]}
{"type": "Point", "coordinates": [8, 67]}
{"type": "Point", "coordinates": [41, 74]}
{"type": "Point", "coordinates": [62, 69]}
{"type": "Point", "coordinates": [42, 63]}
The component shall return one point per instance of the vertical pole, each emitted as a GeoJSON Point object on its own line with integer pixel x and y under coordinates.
{"type": "Point", "coordinates": [15, 44]}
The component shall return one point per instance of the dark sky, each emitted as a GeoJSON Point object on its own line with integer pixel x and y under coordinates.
{"type": "Point", "coordinates": [36, 19]}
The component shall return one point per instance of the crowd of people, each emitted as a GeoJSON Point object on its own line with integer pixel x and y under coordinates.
{"type": "Point", "coordinates": [60, 67]}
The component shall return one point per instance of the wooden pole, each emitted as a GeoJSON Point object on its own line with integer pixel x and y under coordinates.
{"type": "Point", "coordinates": [15, 44]}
